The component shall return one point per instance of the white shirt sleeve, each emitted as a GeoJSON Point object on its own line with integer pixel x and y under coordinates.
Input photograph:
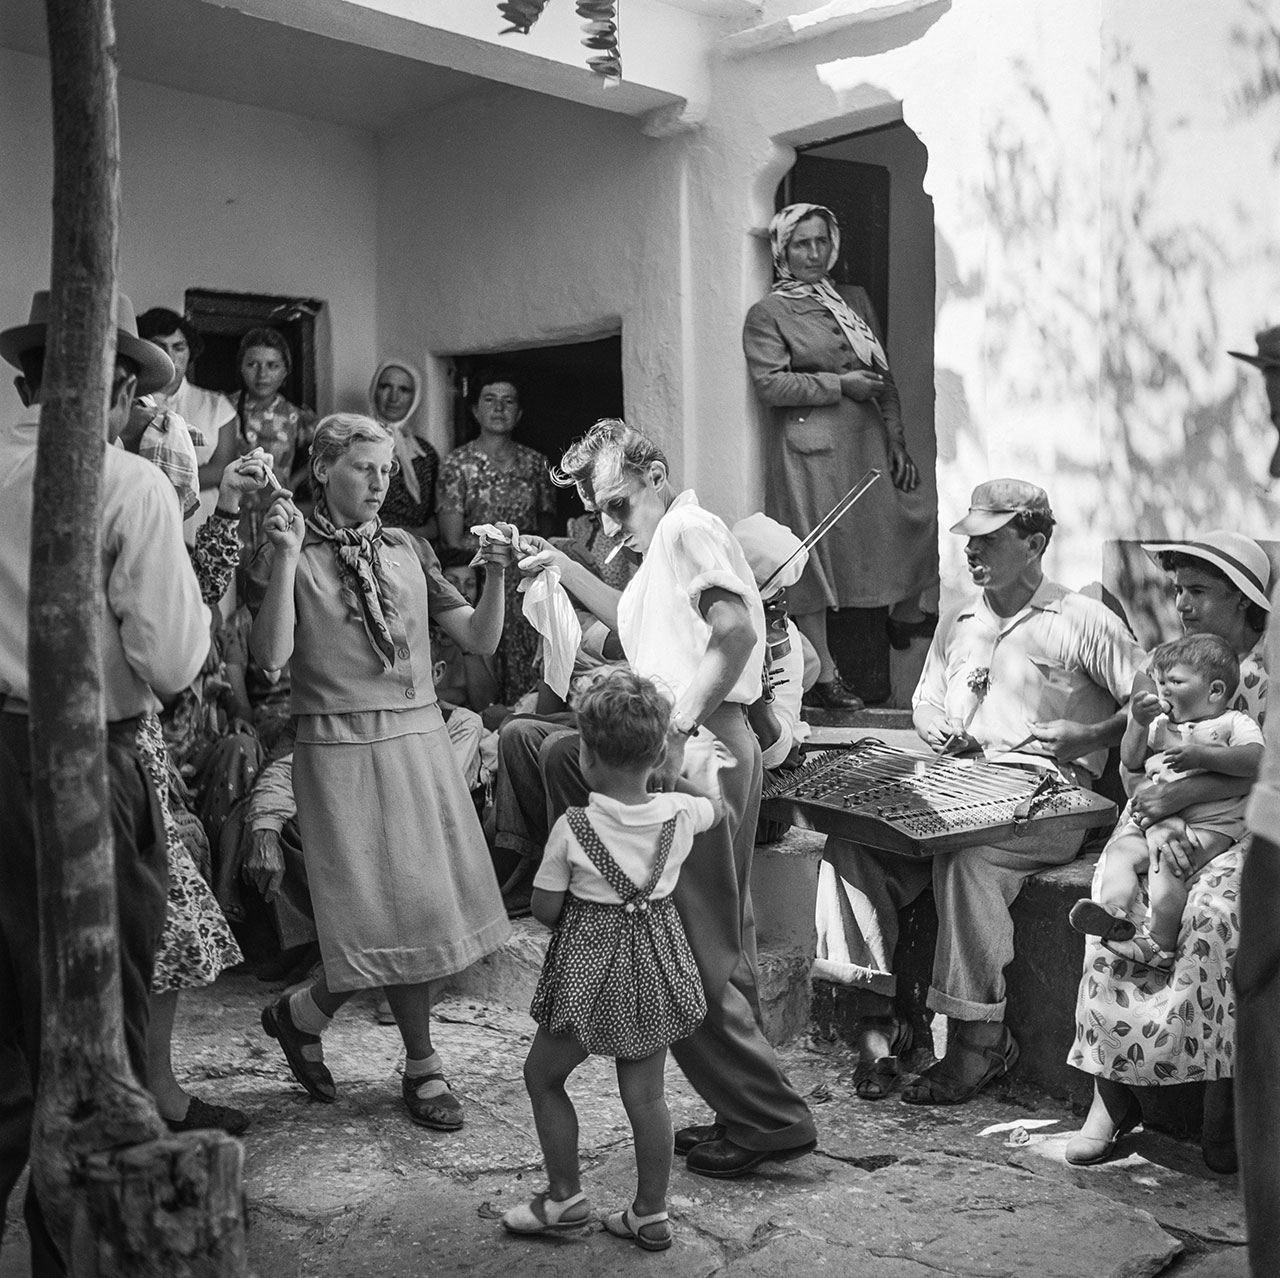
{"type": "Point", "coordinates": [786, 702]}
{"type": "Point", "coordinates": [152, 589]}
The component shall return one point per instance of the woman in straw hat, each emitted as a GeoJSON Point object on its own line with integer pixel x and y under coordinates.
{"type": "Point", "coordinates": [1137, 1026]}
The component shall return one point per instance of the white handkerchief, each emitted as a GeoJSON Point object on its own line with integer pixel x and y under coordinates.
{"type": "Point", "coordinates": [550, 612]}
{"type": "Point", "coordinates": [486, 533]}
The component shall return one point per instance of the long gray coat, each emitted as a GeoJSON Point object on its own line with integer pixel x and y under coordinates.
{"type": "Point", "coordinates": [820, 444]}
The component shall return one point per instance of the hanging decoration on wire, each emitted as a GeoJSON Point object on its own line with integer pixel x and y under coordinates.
{"type": "Point", "coordinates": [599, 22]}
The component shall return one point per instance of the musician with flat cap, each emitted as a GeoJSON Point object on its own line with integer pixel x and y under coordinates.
{"type": "Point", "coordinates": [1025, 672]}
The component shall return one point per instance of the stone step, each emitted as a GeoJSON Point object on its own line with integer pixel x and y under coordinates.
{"type": "Point", "coordinates": [866, 721]}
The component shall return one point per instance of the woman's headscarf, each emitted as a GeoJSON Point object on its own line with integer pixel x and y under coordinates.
{"type": "Point", "coordinates": [407, 444]}
{"type": "Point", "coordinates": [866, 346]}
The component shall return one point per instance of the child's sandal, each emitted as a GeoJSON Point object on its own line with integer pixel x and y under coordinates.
{"type": "Point", "coordinates": [1106, 922]}
{"type": "Point", "coordinates": [1142, 950]}
{"type": "Point", "coordinates": [543, 1214]}
{"type": "Point", "coordinates": [626, 1224]}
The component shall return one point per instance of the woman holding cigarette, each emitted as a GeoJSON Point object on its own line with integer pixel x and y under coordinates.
{"type": "Point", "coordinates": [817, 361]}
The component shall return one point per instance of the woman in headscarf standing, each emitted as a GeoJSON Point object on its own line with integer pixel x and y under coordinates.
{"type": "Point", "coordinates": [816, 357]}
{"type": "Point", "coordinates": [395, 395]}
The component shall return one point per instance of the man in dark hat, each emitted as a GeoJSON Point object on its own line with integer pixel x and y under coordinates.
{"type": "Point", "coordinates": [155, 636]}
{"type": "Point", "coordinates": [1257, 970]}
{"type": "Point", "coordinates": [1023, 671]}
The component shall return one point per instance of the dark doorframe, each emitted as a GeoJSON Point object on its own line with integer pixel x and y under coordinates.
{"type": "Point", "coordinates": [858, 194]}
{"type": "Point", "coordinates": [222, 319]}
{"type": "Point", "coordinates": [564, 390]}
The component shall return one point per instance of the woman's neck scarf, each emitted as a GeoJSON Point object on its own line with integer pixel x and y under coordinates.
{"type": "Point", "coordinates": [360, 571]}
{"type": "Point", "coordinates": [866, 346]}
{"type": "Point", "coordinates": [406, 444]}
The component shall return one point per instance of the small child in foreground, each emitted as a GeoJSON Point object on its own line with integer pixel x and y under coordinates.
{"type": "Point", "coordinates": [1185, 730]}
{"type": "Point", "coordinates": [619, 978]}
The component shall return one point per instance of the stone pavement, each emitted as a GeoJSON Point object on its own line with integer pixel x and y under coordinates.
{"type": "Point", "coordinates": [353, 1189]}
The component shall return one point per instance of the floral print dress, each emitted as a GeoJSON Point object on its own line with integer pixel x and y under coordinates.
{"type": "Point", "coordinates": [285, 432]}
{"type": "Point", "coordinates": [518, 493]}
{"type": "Point", "coordinates": [1143, 1026]}
{"type": "Point", "coordinates": [196, 943]}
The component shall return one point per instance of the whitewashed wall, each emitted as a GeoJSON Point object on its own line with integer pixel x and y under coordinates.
{"type": "Point", "coordinates": [1106, 215]}
{"type": "Point", "coordinates": [215, 195]}
{"type": "Point", "coordinates": [519, 220]}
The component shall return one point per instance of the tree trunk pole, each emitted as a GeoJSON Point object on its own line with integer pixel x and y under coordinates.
{"type": "Point", "coordinates": [121, 1196]}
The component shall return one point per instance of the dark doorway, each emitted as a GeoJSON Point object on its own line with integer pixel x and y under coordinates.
{"type": "Point", "coordinates": [858, 194]}
{"type": "Point", "coordinates": [222, 319]}
{"type": "Point", "coordinates": [873, 181]}
{"type": "Point", "coordinates": [564, 390]}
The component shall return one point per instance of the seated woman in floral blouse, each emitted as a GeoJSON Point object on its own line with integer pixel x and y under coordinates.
{"type": "Point", "coordinates": [493, 480]}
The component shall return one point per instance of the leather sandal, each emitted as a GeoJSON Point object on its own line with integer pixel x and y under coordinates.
{"type": "Point", "coordinates": [1084, 1151]}
{"type": "Point", "coordinates": [874, 1079]}
{"type": "Point", "coordinates": [202, 1116]}
{"type": "Point", "coordinates": [1091, 918]}
{"type": "Point", "coordinates": [303, 1051]}
{"type": "Point", "coordinates": [442, 1112]}
{"type": "Point", "coordinates": [963, 1072]}
{"type": "Point", "coordinates": [626, 1224]}
{"type": "Point", "coordinates": [543, 1214]}
{"type": "Point", "coordinates": [1142, 950]}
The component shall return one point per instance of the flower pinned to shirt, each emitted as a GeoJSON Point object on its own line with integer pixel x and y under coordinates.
{"type": "Point", "coordinates": [979, 681]}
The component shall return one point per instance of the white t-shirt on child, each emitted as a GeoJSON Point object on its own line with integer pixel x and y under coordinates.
{"type": "Point", "coordinates": [1231, 728]}
{"type": "Point", "coordinates": [630, 831]}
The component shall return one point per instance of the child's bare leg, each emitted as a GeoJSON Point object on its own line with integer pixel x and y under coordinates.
{"type": "Point", "coordinates": [1166, 886]}
{"type": "Point", "coordinates": [550, 1061]}
{"type": "Point", "coordinates": [1124, 861]}
{"type": "Point", "coordinates": [641, 1084]}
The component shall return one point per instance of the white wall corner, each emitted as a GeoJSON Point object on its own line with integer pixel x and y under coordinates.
{"type": "Point", "coordinates": [821, 23]}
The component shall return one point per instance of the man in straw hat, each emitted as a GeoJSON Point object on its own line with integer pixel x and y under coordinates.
{"type": "Point", "coordinates": [155, 636]}
{"type": "Point", "coordinates": [1023, 671]}
{"type": "Point", "coordinates": [1257, 970]}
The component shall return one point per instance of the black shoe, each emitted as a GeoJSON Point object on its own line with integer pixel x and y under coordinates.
{"type": "Point", "coordinates": [313, 1075]}
{"type": "Point", "coordinates": [722, 1159]}
{"type": "Point", "coordinates": [201, 1116]}
{"type": "Point", "coordinates": [688, 1137]}
{"type": "Point", "coordinates": [831, 694]}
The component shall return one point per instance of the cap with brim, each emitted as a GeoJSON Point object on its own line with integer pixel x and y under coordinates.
{"type": "Point", "coordinates": [1268, 355]}
{"type": "Point", "coordinates": [1240, 559]}
{"type": "Point", "coordinates": [155, 368]}
{"type": "Point", "coordinates": [997, 501]}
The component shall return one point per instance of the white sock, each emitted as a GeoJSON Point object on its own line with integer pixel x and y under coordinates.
{"type": "Point", "coordinates": [415, 1068]}
{"type": "Point", "coordinates": [306, 1014]}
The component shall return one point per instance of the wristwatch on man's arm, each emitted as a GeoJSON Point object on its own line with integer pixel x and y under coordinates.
{"type": "Point", "coordinates": [683, 723]}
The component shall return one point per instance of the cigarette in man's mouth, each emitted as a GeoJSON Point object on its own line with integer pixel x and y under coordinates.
{"type": "Point", "coordinates": [609, 557]}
